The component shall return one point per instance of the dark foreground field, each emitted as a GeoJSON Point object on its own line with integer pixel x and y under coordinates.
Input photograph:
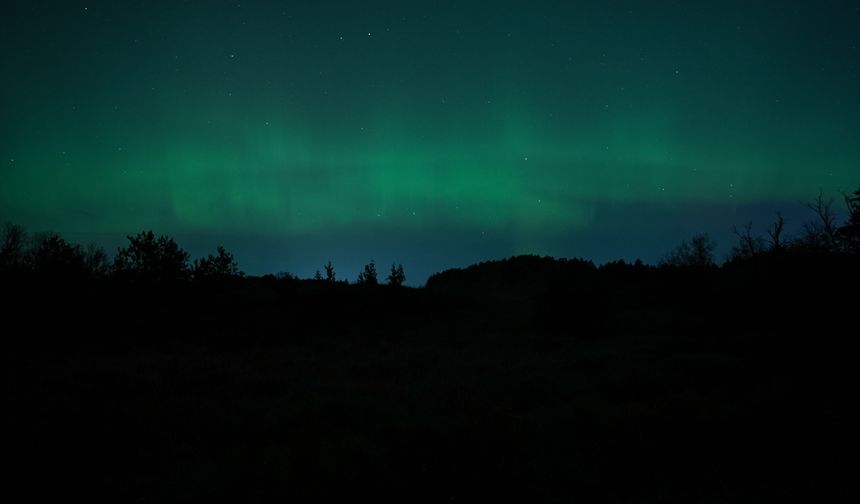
{"type": "Point", "coordinates": [532, 379]}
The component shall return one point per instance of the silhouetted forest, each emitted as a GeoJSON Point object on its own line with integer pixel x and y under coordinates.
{"type": "Point", "coordinates": [145, 376]}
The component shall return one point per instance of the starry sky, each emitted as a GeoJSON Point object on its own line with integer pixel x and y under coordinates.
{"type": "Point", "coordinates": [435, 134]}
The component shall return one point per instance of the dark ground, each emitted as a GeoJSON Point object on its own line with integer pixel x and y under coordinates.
{"type": "Point", "coordinates": [529, 379]}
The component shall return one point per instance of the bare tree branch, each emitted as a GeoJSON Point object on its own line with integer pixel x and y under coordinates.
{"type": "Point", "coordinates": [775, 232]}
{"type": "Point", "coordinates": [825, 228]}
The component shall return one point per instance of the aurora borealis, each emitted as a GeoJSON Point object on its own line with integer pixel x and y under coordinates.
{"type": "Point", "coordinates": [428, 133]}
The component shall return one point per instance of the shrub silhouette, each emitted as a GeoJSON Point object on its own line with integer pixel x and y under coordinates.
{"type": "Point", "coordinates": [153, 259]}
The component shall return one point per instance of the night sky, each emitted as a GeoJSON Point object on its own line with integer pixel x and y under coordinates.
{"type": "Point", "coordinates": [435, 134]}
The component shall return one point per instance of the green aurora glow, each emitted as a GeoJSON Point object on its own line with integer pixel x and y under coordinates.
{"type": "Point", "coordinates": [280, 120]}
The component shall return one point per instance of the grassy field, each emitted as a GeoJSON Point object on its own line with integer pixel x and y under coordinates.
{"type": "Point", "coordinates": [635, 387]}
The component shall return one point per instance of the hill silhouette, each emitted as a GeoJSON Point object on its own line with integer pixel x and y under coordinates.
{"type": "Point", "coordinates": [532, 378]}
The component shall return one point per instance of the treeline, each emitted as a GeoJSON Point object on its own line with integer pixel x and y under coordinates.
{"type": "Point", "coordinates": [158, 259]}
{"type": "Point", "coordinates": [146, 258]}
{"type": "Point", "coordinates": [822, 239]}
{"type": "Point", "coordinates": [823, 235]}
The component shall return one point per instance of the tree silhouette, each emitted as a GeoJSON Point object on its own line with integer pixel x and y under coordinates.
{"type": "Point", "coordinates": [748, 245]}
{"type": "Point", "coordinates": [222, 265]}
{"type": "Point", "coordinates": [12, 247]}
{"type": "Point", "coordinates": [397, 276]}
{"type": "Point", "coordinates": [96, 259]}
{"type": "Point", "coordinates": [368, 276]}
{"type": "Point", "coordinates": [850, 231]}
{"type": "Point", "coordinates": [775, 233]}
{"type": "Point", "coordinates": [151, 258]}
{"type": "Point", "coordinates": [821, 235]}
{"type": "Point", "coordinates": [329, 272]}
{"type": "Point", "coordinates": [698, 253]}
{"type": "Point", "coordinates": [54, 256]}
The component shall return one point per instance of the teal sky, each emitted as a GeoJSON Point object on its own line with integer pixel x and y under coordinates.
{"type": "Point", "coordinates": [430, 133]}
